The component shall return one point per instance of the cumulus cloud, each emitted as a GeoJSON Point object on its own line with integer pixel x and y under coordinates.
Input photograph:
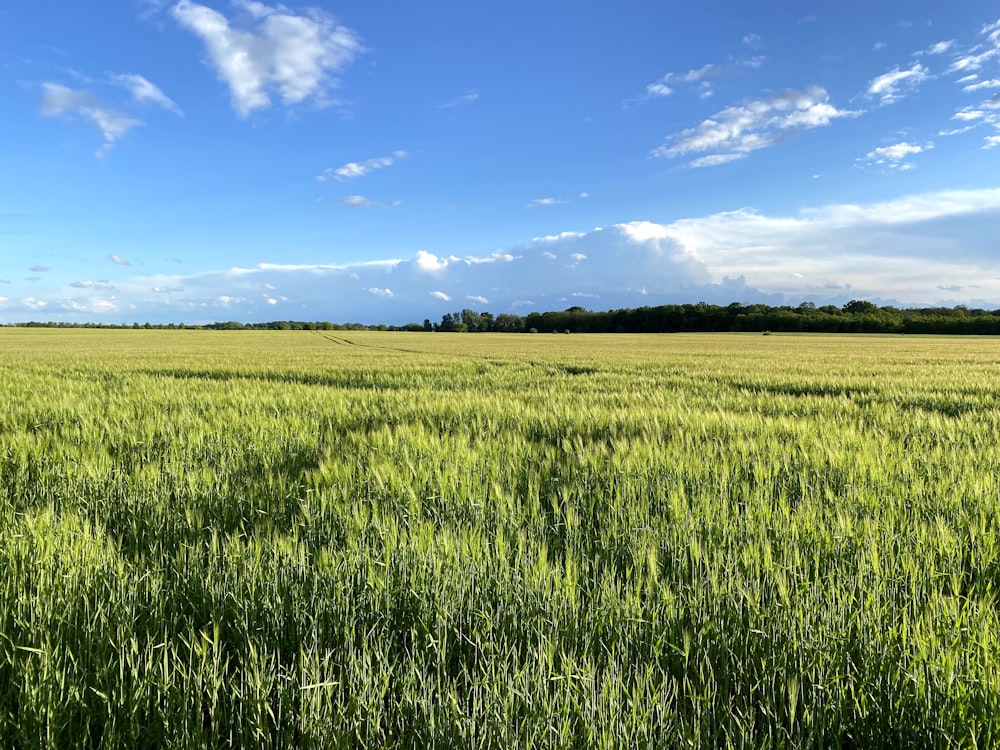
{"type": "Point", "coordinates": [144, 91]}
{"type": "Point", "coordinates": [896, 155]}
{"type": "Point", "coordinates": [430, 263]}
{"type": "Point", "coordinates": [898, 248]}
{"type": "Point", "coordinates": [273, 52]}
{"type": "Point", "coordinates": [903, 249]}
{"type": "Point", "coordinates": [60, 100]}
{"type": "Point", "coordinates": [91, 305]}
{"type": "Point", "coordinates": [355, 169]}
{"type": "Point", "coordinates": [755, 124]}
{"type": "Point", "coordinates": [894, 85]}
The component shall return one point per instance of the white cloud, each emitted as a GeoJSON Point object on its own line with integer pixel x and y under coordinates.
{"type": "Point", "coordinates": [355, 169]}
{"type": "Point", "coordinates": [545, 202]}
{"type": "Point", "coordinates": [894, 85]}
{"type": "Point", "coordinates": [477, 298]}
{"type": "Point", "coordinates": [467, 98]}
{"type": "Point", "coordinates": [92, 305]}
{"type": "Point", "coordinates": [993, 83]}
{"type": "Point", "coordinates": [119, 260]}
{"type": "Point", "coordinates": [956, 131]}
{"type": "Point", "coordinates": [992, 32]}
{"type": "Point", "coordinates": [881, 249]}
{"type": "Point", "coordinates": [757, 123]}
{"type": "Point", "coordinates": [58, 100]}
{"type": "Point", "coordinates": [144, 91]}
{"type": "Point", "coordinates": [294, 56]}
{"type": "Point", "coordinates": [713, 160]}
{"type": "Point", "coordinates": [93, 285]}
{"type": "Point", "coordinates": [939, 48]}
{"type": "Point", "coordinates": [992, 141]}
{"type": "Point", "coordinates": [972, 62]}
{"type": "Point", "coordinates": [430, 263]}
{"type": "Point", "coordinates": [968, 114]}
{"type": "Point", "coordinates": [360, 201]}
{"type": "Point", "coordinates": [664, 86]}
{"type": "Point", "coordinates": [557, 237]}
{"type": "Point", "coordinates": [657, 89]}
{"type": "Point", "coordinates": [895, 156]}
{"type": "Point", "coordinates": [753, 41]}
{"type": "Point", "coordinates": [903, 249]}
{"type": "Point", "coordinates": [697, 74]}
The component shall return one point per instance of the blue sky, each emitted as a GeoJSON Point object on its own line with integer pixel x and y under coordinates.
{"type": "Point", "coordinates": [187, 161]}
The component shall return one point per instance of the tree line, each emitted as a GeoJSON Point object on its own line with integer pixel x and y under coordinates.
{"type": "Point", "coordinates": [857, 316]}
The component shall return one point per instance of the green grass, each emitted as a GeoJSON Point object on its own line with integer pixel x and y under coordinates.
{"type": "Point", "coordinates": [353, 539]}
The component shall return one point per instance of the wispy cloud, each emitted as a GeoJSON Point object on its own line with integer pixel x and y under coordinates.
{"type": "Point", "coordinates": [546, 202]}
{"type": "Point", "coordinates": [93, 285]}
{"type": "Point", "coordinates": [895, 156]}
{"type": "Point", "coordinates": [360, 201]}
{"type": "Point", "coordinates": [441, 296]}
{"type": "Point", "coordinates": [119, 260]}
{"type": "Point", "coordinates": [974, 59]}
{"type": "Point", "coordinates": [144, 91]}
{"type": "Point", "coordinates": [467, 98]}
{"type": "Point", "coordinates": [355, 169]}
{"type": "Point", "coordinates": [276, 52]}
{"type": "Point", "coordinates": [993, 83]}
{"type": "Point", "coordinates": [894, 85]}
{"type": "Point", "coordinates": [665, 86]}
{"type": "Point", "coordinates": [757, 123]}
{"type": "Point", "coordinates": [938, 48]}
{"type": "Point", "coordinates": [39, 269]}
{"type": "Point", "coordinates": [58, 100]}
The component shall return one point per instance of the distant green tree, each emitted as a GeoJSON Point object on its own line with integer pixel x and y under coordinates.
{"type": "Point", "coordinates": [860, 307]}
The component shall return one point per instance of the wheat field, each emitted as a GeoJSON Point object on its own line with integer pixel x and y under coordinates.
{"type": "Point", "coordinates": [406, 540]}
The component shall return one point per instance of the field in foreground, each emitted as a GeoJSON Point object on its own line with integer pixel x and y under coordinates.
{"type": "Point", "coordinates": [428, 540]}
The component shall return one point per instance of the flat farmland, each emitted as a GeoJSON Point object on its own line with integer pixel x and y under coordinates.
{"type": "Point", "coordinates": [360, 539]}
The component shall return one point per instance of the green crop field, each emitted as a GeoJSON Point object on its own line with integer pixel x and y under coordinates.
{"type": "Point", "coordinates": [359, 539]}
